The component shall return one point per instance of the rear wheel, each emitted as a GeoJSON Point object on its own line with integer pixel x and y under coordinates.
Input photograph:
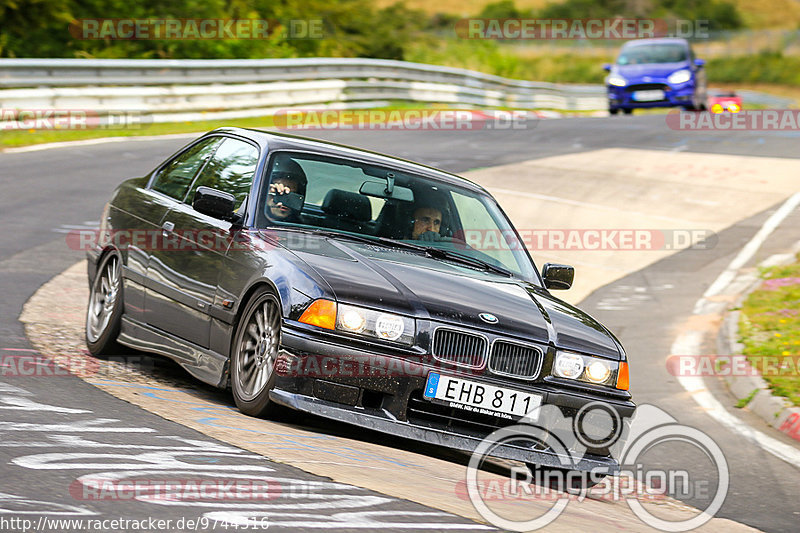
{"type": "Point", "coordinates": [104, 313]}
{"type": "Point", "coordinates": [613, 111]}
{"type": "Point", "coordinates": [254, 353]}
{"type": "Point", "coordinates": [628, 111]}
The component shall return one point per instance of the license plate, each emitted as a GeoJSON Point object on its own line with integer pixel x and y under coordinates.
{"type": "Point", "coordinates": [481, 398]}
{"type": "Point", "coordinates": [648, 96]}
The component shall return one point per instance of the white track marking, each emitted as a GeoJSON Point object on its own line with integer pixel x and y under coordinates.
{"type": "Point", "coordinates": [746, 253]}
{"type": "Point", "coordinates": [690, 343]}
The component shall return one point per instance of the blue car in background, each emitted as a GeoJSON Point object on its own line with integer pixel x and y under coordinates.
{"type": "Point", "coordinates": [656, 73]}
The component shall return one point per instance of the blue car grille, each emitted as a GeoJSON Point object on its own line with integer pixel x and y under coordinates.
{"type": "Point", "coordinates": [647, 87]}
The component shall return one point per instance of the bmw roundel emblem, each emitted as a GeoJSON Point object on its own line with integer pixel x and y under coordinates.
{"type": "Point", "coordinates": [488, 317]}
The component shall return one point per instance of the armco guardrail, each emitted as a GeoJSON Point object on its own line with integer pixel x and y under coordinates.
{"type": "Point", "coordinates": [188, 89]}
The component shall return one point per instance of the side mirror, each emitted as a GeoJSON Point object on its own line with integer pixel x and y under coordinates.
{"type": "Point", "coordinates": [699, 62]}
{"type": "Point", "coordinates": [558, 277]}
{"type": "Point", "coordinates": [607, 67]}
{"type": "Point", "coordinates": [214, 203]}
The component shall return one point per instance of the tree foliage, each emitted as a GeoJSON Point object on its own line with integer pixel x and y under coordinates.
{"type": "Point", "coordinates": [351, 28]}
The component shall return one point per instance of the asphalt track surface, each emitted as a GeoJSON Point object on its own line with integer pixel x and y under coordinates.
{"type": "Point", "coordinates": [51, 189]}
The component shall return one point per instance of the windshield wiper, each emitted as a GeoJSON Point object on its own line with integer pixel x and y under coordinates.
{"type": "Point", "coordinates": [438, 253]}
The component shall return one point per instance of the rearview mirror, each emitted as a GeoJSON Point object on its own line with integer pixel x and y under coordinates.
{"type": "Point", "coordinates": [214, 203]}
{"type": "Point", "coordinates": [607, 67]}
{"type": "Point", "coordinates": [382, 190]}
{"type": "Point", "coordinates": [558, 277]}
{"type": "Point", "coordinates": [699, 62]}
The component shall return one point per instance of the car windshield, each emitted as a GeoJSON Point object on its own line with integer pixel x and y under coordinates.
{"type": "Point", "coordinates": [391, 208]}
{"type": "Point", "coordinates": [652, 53]}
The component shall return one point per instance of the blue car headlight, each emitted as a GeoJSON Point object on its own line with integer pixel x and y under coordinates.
{"type": "Point", "coordinates": [617, 80]}
{"type": "Point", "coordinates": [679, 76]}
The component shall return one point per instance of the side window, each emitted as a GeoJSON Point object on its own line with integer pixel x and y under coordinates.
{"type": "Point", "coordinates": [230, 170]}
{"type": "Point", "coordinates": [176, 176]}
{"type": "Point", "coordinates": [479, 226]}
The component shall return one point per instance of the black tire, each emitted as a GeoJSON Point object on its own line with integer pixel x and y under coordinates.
{"type": "Point", "coordinates": [628, 111]}
{"type": "Point", "coordinates": [613, 111]}
{"type": "Point", "coordinates": [253, 355]}
{"type": "Point", "coordinates": [104, 310]}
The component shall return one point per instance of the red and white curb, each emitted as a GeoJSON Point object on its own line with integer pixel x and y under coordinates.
{"type": "Point", "coordinates": [708, 311]}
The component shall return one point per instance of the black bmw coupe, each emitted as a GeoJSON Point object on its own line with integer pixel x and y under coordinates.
{"type": "Point", "coordinates": [349, 284]}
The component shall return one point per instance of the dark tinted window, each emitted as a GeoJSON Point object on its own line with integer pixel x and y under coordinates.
{"type": "Point", "coordinates": [176, 176]}
{"type": "Point", "coordinates": [470, 223]}
{"type": "Point", "coordinates": [644, 54]}
{"type": "Point", "coordinates": [230, 170]}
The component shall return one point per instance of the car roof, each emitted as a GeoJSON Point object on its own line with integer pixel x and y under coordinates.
{"type": "Point", "coordinates": [660, 40]}
{"type": "Point", "coordinates": [270, 140]}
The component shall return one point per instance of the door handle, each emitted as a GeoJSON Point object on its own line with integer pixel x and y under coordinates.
{"type": "Point", "coordinates": [166, 228]}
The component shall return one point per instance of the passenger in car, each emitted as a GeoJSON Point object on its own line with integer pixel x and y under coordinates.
{"type": "Point", "coordinates": [427, 221]}
{"type": "Point", "coordinates": [287, 191]}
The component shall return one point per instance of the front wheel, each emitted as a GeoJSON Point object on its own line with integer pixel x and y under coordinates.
{"type": "Point", "coordinates": [104, 313]}
{"type": "Point", "coordinates": [628, 111]}
{"type": "Point", "coordinates": [613, 111]}
{"type": "Point", "coordinates": [254, 353]}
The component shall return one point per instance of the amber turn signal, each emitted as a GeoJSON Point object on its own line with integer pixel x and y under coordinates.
{"type": "Point", "coordinates": [622, 376]}
{"type": "Point", "coordinates": [321, 313]}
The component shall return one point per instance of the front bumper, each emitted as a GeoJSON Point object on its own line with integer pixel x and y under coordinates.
{"type": "Point", "coordinates": [371, 396]}
{"type": "Point", "coordinates": [623, 97]}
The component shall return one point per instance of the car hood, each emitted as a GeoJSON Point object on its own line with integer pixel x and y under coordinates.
{"type": "Point", "coordinates": [410, 283]}
{"type": "Point", "coordinates": [635, 73]}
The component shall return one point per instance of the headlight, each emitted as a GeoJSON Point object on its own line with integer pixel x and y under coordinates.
{"type": "Point", "coordinates": [680, 76]}
{"type": "Point", "coordinates": [617, 81]}
{"type": "Point", "coordinates": [360, 321]}
{"type": "Point", "coordinates": [570, 365]}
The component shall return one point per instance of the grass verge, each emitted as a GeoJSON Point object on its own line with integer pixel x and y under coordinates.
{"type": "Point", "coordinates": [11, 138]}
{"type": "Point", "coordinates": [16, 138]}
{"type": "Point", "coordinates": [769, 327]}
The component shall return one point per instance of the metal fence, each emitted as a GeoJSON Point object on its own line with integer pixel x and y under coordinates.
{"type": "Point", "coordinates": [188, 89]}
